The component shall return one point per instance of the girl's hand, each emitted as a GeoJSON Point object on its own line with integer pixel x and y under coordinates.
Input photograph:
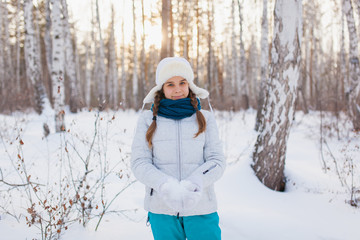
{"type": "Point", "coordinates": [191, 194]}
{"type": "Point", "coordinates": [171, 192]}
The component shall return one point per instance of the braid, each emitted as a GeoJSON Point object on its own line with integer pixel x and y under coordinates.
{"type": "Point", "coordinates": [199, 116]}
{"type": "Point", "coordinates": [150, 132]}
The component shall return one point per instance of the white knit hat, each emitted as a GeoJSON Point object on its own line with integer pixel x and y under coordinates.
{"type": "Point", "coordinates": [171, 67]}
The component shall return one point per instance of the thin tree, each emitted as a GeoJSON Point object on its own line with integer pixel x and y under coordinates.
{"type": "Point", "coordinates": [88, 74]}
{"type": "Point", "coordinates": [113, 69]}
{"type": "Point", "coordinates": [270, 148]}
{"type": "Point", "coordinates": [48, 41]}
{"type": "Point", "coordinates": [18, 34]}
{"type": "Point", "coordinates": [198, 27]}
{"type": "Point", "coordinates": [70, 63]}
{"type": "Point", "coordinates": [210, 54]}
{"type": "Point", "coordinates": [352, 91]}
{"type": "Point", "coordinates": [165, 28]}
{"type": "Point", "coordinates": [100, 64]}
{"type": "Point", "coordinates": [235, 80]}
{"type": "Point", "coordinates": [143, 56]}
{"type": "Point", "coordinates": [123, 72]}
{"type": "Point", "coordinates": [9, 73]}
{"type": "Point", "coordinates": [242, 74]}
{"type": "Point", "coordinates": [2, 52]}
{"type": "Point", "coordinates": [58, 65]}
{"type": "Point", "coordinates": [135, 77]}
{"type": "Point", "coordinates": [32, 58]}
{"type": "Point", "coordinates": [264, 65]}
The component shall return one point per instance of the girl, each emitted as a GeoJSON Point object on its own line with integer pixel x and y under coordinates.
{"type": "Point", "coordinates": [177, 154]}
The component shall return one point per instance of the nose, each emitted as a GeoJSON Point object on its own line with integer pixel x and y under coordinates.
{"type": "Point", "coordinates": [177, 88]}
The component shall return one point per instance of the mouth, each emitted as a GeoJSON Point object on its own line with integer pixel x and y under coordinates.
{"type": "Point", "coordinates": [177, 97]}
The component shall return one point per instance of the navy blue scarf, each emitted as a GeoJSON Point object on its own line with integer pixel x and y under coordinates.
{"type": "Point", "coordinates": [176, 109]}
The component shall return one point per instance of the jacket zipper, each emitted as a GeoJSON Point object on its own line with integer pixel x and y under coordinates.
{"type": "Point", "coordinates": [179, 153]}
{"type": "Point", "coordinates": [179, 147]}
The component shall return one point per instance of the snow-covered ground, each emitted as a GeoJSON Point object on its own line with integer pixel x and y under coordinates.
{"type": "Point", "coordinates": [314, 205]}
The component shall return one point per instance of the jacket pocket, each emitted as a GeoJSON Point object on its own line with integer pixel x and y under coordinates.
{"type": "Point", "coordinates": [209, 169]}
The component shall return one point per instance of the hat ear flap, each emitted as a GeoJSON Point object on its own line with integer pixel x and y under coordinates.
{"type": "Point", "coordinates": [199, 92]}
{"type": "Point", "coordinates": [151, 95]}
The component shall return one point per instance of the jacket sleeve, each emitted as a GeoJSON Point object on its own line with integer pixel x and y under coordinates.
{"type": "Point", "coordinates": [141, 158]}
{"type": "Point", "coordinates": [213, 167]}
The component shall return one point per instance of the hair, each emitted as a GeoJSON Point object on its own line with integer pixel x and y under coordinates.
{"type": "Point", "coordinates": [159, 95]}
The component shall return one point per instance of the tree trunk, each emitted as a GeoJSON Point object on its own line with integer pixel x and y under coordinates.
{"type": "Point", "coordinates": [123, 71]}
{"type": "Point", "coordinates": [2, 53]}
{"type": "Point", "coordinates": [9, 73]}
{"type": "Point", "coordinates": [165, 29]}
{"type": "Point", "coordinates": [18, 53]}
{"type": "Point", "coordinates": [47, 43]}
{"type": "Point", "coordinates": [264, 67]}
{"type": "Point", "coordinates": [135, 77]}
{"type": "Point", "coordinates": [197, 7]}
{"type": "Point", "coordinates": [113, 69]}
{"type": "Point", "coordinates": [70, 63]}
{"type": "Point", "coordinates": [100, 64]}
{"type": "Point", "coordinates": [210, 62]}
{"type": "Point", "coordinates": [234, 62]}
{"type": "Point", "coordinates": [352, 91]}
{"type": "Point", "coordinates": [170, 46]}
{"type": "Point", "coordinates": [88, 75]}
{"type": "Point", "coordinates": [58, 58]}
{"type": "Point", "coordinates": [32, 58]}
{"type": "Point", "coordinates": [143, 57]}
{"type": "Point", "coordinates": [270, 148]}
{"type": "Point", "coordinates": [242, 74]}
{"type": "Point", "coordinates": [343, 59]}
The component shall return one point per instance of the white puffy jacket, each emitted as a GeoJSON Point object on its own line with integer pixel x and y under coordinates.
{"type": "Point", "coordinates": [178, 154]}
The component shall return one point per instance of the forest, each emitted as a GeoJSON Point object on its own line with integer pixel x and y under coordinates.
{"type": "Point", "coordinates": [109, 63]}
{"type": "Point", "coordinates": [73, 76]}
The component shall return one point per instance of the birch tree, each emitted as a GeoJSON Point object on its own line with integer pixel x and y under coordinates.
{"type": "Point", "coordinates": [70, 64]}
{"type": "Point", "coordinates": [91, 52]}
{"type": "Point", "coordinates": [123, 72]}
{"type": "Point", "coordinates": [100, 65]}
{"type": "Point", "coordinates": [352, 91]}
{"type": "Point", "coordinates": [32, 58]}
{"type": "Point", "coordinates": [9, 73]}
{"type": "Point", "coordinates": [113, 70]}
{"type": "Point", "coordinates": [210, 54]}
{"type": "Point", "coordinates": [264, 65]}
{"type": "Point", "coordinates": [18, 33]}
{"type": "Point", "coordinates": [197, 10]}
{"type": "Point", "coordinates": [2, 52]}
{"type": "Point", "coordinates": [165, 28]}
{"type": "Point", "coordinates": [88, 75]}
{"type": "Point", "coordinates": [58, 65]}
{"type": "Point", "coordinates": [135, 77]}
{"type": "Point", "coordinates": [242, 78]}
{"type": "Point", "coordinates": [235, 81]}
{"type": "Point", "coordinates": [143, 56]}
{"type": "Point", "coordinates": [270, 148]}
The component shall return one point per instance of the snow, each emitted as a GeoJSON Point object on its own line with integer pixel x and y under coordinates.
{"type": "Point", "coordinates": [312, 207]}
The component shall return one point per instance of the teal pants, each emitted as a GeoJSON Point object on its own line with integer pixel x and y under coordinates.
{"type": "Point", "coordinates": [200, 227]}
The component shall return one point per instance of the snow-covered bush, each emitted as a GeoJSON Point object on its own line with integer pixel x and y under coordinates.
{"type": "Point", "coordinates": [67, 177]}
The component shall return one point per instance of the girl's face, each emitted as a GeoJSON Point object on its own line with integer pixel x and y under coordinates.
{"type": "Point", "coordinates": [176, 88]}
